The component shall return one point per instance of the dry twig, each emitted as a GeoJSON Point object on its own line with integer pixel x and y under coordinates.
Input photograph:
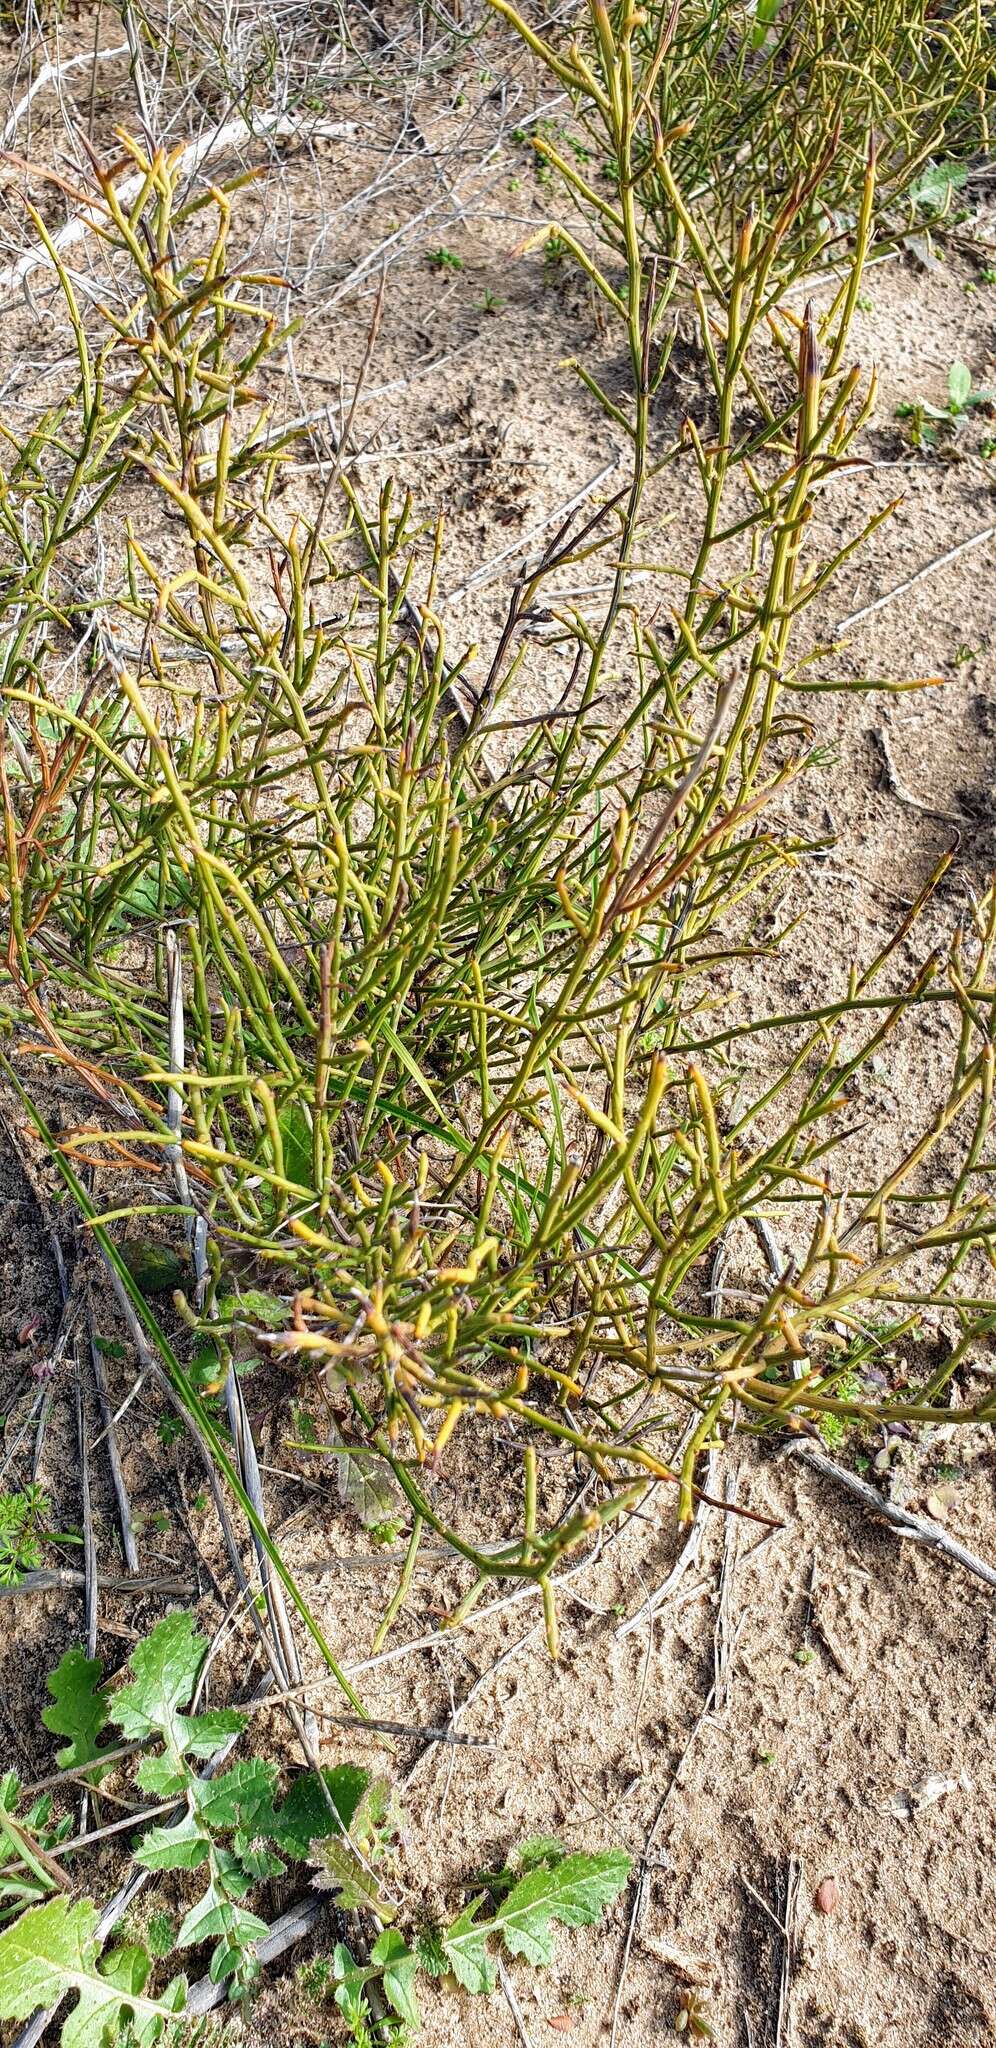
{"type": "Point", "coordinates": [789, 1903]}
{"type": "Point", "coordinates": [921, 1529]}
{"type": "Point", "coordinates": [864, 611]}
{"type": "Point", "coordinates": [897, 788]}
{"type": "Point", "coordinates": [641, 1893]}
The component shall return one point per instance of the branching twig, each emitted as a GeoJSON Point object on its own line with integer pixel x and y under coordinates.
{"type": "Point", "coordinates": [916, 1528]}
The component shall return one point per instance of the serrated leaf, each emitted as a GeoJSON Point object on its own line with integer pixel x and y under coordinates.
{"type": "Point", "coordinates": [78, 1710]}
{"type": "Point", "coordinates": [256, 1859]}
{"type": "Point", "coordinates": [575, 1892]}
{"type": "Point", "coordinates": [364, 1482]}
{"type": "Point", "coordinates": [392, 1954]}
{"type": "Point", "coordinates": [240, 1798]}
{"type": "Point", "coordinates": [305, 1817]}
{"type": "Point", "coordinates": [228, 1957]}
{"type": "Point", "coordinates": [355, 1889]}
{"type": "Point", "coordinates": [51, 1953]}
{"type": "Point", "coordinates": [181, 1847]}
{"type": "Point", "coordinates": [536, 1849]}
{"type": "Point", "coordinates": [160, 1933]}
{"type": "Point", "coordinates": [539, 1849]}
{"type": "Point", "coordinates": [465, 1947]}
{"type": "Point", "coordinates": [378, 1816]}
{"type": "Point", "coordinates": [165, 1668]}
{"type": "Point", "coordinates": [204, 1734]}
{"type": "Point", "coordinates": [38, 1816]}
{"type": "Point", "coordinates": [431, 1952]}
{"type": "Point", "coordinates": [146, 2033]}
{"type": "Point", "coordinates": [217, 1914]}
{"type": "Point", "coordinates": [162, 1777]}
{"type": "Point", "coordinates": [128, 1967]}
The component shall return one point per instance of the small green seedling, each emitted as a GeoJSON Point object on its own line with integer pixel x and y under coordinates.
{"type": "Point", "coordinates": [26, 1842]}
{"type": "Point", "coordinates": [961, 397]}
{"type": "Point", "coordinates": [22, 1522]}
{"type": "Point", "coordinates": [926, 420]}
{"type": "Point", "coordinates": [692, 2018]}
{"type": "Point", "coordinates": [445, 259]}
{"type": "Point", "coordinates": [833, 1430]}
{"type": "Point", "coordinates": [932, 192]}
{"type": "Point", "coordinates": [554, 254]}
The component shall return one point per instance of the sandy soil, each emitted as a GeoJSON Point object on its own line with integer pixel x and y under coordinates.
{"type": "Point", "coordinates": [814, 1702]}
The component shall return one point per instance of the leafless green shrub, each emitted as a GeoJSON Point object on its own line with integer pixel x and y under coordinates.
{"type": "Point", "coordinates": [448, 1089]}
{"type": "Point", "coordinates": [759, 106]}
